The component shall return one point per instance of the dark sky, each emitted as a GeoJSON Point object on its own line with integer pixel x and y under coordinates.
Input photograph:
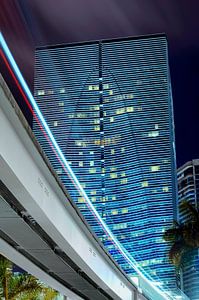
{"type": "Point", "coordinates": [29, 23]}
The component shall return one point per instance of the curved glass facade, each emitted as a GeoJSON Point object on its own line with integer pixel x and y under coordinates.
{"type": "Point", "coordinates": [109, 106]}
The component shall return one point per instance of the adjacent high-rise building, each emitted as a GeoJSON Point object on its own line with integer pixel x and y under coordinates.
{"type": "Point", "coordinates": [109, 106]}
{"type": "Point", "coordinates": [188, 190]}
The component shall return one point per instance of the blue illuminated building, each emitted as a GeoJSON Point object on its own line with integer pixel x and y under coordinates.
{"type": "Point", "coordinates": [109, 106]}
{"type": "Point", "coordinates": [188, 189]}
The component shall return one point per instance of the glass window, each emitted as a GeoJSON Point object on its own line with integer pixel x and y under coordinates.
{"type": "Point", "coordinates": [92, 163]}
{"type": "Point", "coordinates": [81, 164]}
{"type": "Point", "coordinates": [111, 92]}
{"type": "Point", "coordinates": [81, 200]}
{"type": "Point", "coordinates": [123, 174]}
{"type": "Point", "coordinates": [112, 151]}
{"type": "Point", "coordinates": [55, 123]}
{"type": "Point", "coordinates": [165, 189]}
{"type": "Point", "coordinates": [92, 171]}
{"type": "Point", "coordinates": [124, 181]}
{"type": "Point", "coordinates": [125, 210]}
{"type": "Point", "coordinates": [61, 103]}
{"type": "Point", "coordinates": [130, 109]}
{"type": "Point", "coordinates": [41, 93]}
{"type": "Point", "coordinates": [144, 184]}
{"type": "Point", "coordinates": [155, 168]}
{"type": "Point", "coordinates": [113, 175]}
{"type": "Point", "coordinates": [62, 90]}
{"type": "Point", "coordinates": [93, 192]}
{"type": "Point", "coordinates": [153, 133]}
{"type": "Point", "coordinates": [111, 119]}
{"type": "Point", "coordinates": [114, 212]}
{"type": "Point", "coordinates": [122, 149]}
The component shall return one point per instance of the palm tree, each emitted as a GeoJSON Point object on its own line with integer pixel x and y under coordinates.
{"type": "Point", "coordinates": [22, 286]}
{"type": "Point", "coordinates": [183, 237]}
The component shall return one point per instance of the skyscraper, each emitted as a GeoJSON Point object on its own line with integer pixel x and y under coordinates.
{"type": "Point", "coordinates": [109, 106]}
{"type": "Point", "coordinates": [188, 189]}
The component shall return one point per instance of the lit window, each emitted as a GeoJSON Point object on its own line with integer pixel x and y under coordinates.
{"type": "Point", "coordinates": [92, 163]}
{"type": "Point", "coordinates": [93, 192]}
{"type": "Point", "coordinates": [111, 92]}
{"type": "Point", "coordinates": [81, 163]}
{"type": "Point", "coordinates": [113, 197]}
{"type": "Point", "coordinates": [62, 90]}
{"type": "Point", "coordinates": [120, 226]}
{"type": "Point", "coordinates": [120, 111]}
{"type": "Point", "coordinates": [55, 123]}
{"type": "Point", "coordinates": [155, 168]}
{"type": "Point", "coordinates": [124, 181]}
{"type": "Point", "coordinates": [61, 103]}
{"type": "Point", "coordinates": [113, 175]}
{"type": "Point", "coordinates": [81, 200]}
{"type": "Point", "coordinates": [91, 152]}
{"type": "Point", "coordinates": [96, 121]}
{"type": "Point", "coordinates": [92, 171]}
{"type": "Point", "coordinates": [145, 184]}
{"type": "Point", "coordinates": [122, 150]}
{"type": "Point", "coordinates": [93, 199]}
{"type": "Point", "coordinates": [114, 212]}
{"type": "Point", "coordinates": [130, 109]}
{"type": "Point", "coordinates": [83, 185]}
{"type": "Point", "coordinates": [165, 189]}
{"type": "Point", "coordinates": [123, 174]}
{"type": "Point", "coordinates": [153, 133]}
{"type": "Point", "coordinates": [125, 210]}
{"type": "Point", "coordinates": [41, 93]}
{"type": "Point", "coordinates": [112, 151]}
{"type": "Point", "coordinates": [156, 126]}
{"type": "Point", "coordinates": [111, 119]}
{"type": "Point", "coordinates": [96, 87]}
{"type": "Point", "coordinates": [50, 92]}
{"type": "Point", "coordinates": [105, 86]}
{"type": "Point", "coordinates": [103, 170]}
{"type": "Point", "coordinates": [81, 153]}
{"type": "Point", "coordinates": [113, 169]}
{"type": "Point", "coordinates": [96, 128]}
{"type": "Point", "coordinates": [90, 87]}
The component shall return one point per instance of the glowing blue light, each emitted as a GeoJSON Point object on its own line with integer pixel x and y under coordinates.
{"type": "Point", "coordinates": [130, 259]}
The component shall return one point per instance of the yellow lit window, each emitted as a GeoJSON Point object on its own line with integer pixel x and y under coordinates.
{"type": "Point", "coordinates": [81, 163]}
{"type": "Point", "coordinates": [55, 123]}
{"type": "Point", "coordinates": [103, 170]}
{"type": "Point", "coordinates": [120, 111]}
{"type": "Point", "coordinates": [92, 163]}
{"type": "Point", "coordinates": [96, 121]}
{"type": "Point", "coordinates": [113, 175]}
{"type": "Point", "coordinates": [145, 184]}
{"type": "Point", "coordinates": [113, 169]}
{"type": "Point", "coordinates": [130, 109]}
{"type": "Point", "coordinates": [93, 192]}
{"type": "Point", "coordinates": [111, 92]}
{"type": "Point", "coordinates": [124, 181]}
{"type": "Point", "coordinates": [96, 128]}
{"type": "Point", "coordinates": [165, 189]}
{"type": "Point", "coordinates": [153, 133]}
{"type": "Point", "coordinates": [112, 151]}
{"type": "Point", "coordinates": [113, 197]}
{"type": "Point", "coordinates": [123, 174]}
{"type": "Point", "coordinates": [120, 226]}
{"type": "Point", "coordinates": [114, 212]}
{"type": "Point", "coordinates": [122, 150]}
{"type": "Point", "coordinates": [93, 199]}
{"type": "Point", "coordinates": [111, 119]}
{"type": "Point", "coordinates": [125, 210]}
{"type": "Point", "coordinates": [96, 87]}
{"type": "Point", "coordinates": [97, 142]}
{"type": "Point", "coordinates": [92, 171]}
{"type": "Point", "coordinates": [90, 87]}
{"type": "Point", "coordinates": [103, 199]}
{"type": "Point", "coordinates": [155, 168]}
{"type": "Point", "coordinates": [81, 200]}
{"type": "Point", "coordinates": [41, 93]}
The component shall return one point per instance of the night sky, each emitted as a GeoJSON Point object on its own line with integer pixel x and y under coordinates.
{"type": "Point", "coordinates": [27, 24]}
